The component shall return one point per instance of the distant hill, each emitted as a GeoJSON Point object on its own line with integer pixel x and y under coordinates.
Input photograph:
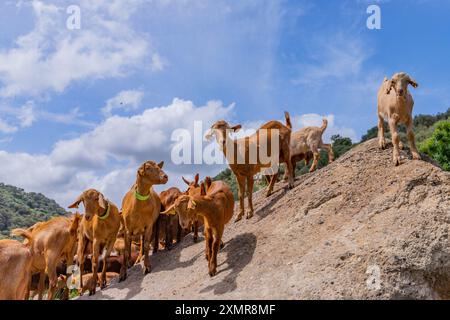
{"type": "Point", "coordinates": [20, 209]}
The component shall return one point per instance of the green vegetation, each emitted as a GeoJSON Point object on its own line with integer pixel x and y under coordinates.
{"type": "Point", "coordinates": [20, 209]}
{"type": "Point", "coordinates": [438, 145]}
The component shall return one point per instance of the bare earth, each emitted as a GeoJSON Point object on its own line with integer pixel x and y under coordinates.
{"type": "Point", "coordinates": [357, 229]}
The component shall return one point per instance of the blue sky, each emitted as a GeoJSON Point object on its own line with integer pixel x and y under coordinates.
{"type": "Point", "coordinates": [82, 108]}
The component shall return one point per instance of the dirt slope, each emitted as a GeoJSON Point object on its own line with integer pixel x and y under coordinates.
{"type": "Point", "coordinates": [359, 228]}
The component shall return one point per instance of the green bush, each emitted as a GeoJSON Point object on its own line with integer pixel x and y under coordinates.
{"type": "Point", "coordinates": [438, 145]}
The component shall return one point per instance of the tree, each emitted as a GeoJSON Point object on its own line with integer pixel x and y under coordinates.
{"type": "Point", "coordinates": [438, 145]}
{"type": "Point", "coordinates": [341, 145]}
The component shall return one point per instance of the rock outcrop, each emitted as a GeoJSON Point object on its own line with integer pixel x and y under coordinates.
{"type": "Point", "coordinates": [359, 228]}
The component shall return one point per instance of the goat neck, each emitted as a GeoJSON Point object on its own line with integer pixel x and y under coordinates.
{"type": "Point", "coordinates": [143, 188]}
{"type": "Point", "coordinates": [204, 206]}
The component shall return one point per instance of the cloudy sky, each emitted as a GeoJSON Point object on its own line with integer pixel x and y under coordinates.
{"type": "Point", "coordinates": [83, 108]}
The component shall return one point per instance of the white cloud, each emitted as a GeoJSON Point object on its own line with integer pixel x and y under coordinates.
{"type": "Point", "coordinates": [332, 59]}
{"type": "Point", "coordinates": [126, 100]}
{"type": "Point", "coordinates": [158, 63]}
{"type": "Point", "coordinates": [107, 156]}
{"type": "Point", "coordinates": [7, 128]}
{"type": "Point", "coordinates": [26, 115]}
{"type": "Point", "coordinates": [51, 57]}
{"type": "Point", "coordinates": [315, 120]}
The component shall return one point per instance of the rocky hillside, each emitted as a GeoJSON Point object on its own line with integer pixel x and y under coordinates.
{"type": "Point", "coordinates": [359, 228]}
{"type": "Point", "coordinates": [20, 209]}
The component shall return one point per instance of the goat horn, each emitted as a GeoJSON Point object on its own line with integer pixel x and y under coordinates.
{"type": "Point", "coordinates": [170, 211]}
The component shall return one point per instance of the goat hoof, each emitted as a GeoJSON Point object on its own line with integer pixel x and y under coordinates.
{"type": "Point", "coordinates": [195, 239]}
{"type": "Point", "coordinates": [212, 273]}
{"type": "Point", "coordinates": [123, 277]}
{"type": "Point", "coordinates": [239, 218]}
{"type": "Point", "coordinates": [416, 156]}
{"type": "Point", "coordinates": [146, 270]}
{"type": "Point", "coordinates": [250, 215]}
{"type": "Point", "coordinates": [222, 245]}
{"type": "Point", "coordinates": [396, 162]}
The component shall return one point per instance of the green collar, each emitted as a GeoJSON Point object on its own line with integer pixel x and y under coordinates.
{"type": "Point", "coordinates": [140, 197]}
{"type": "Point", "coordinates": [103, 217]}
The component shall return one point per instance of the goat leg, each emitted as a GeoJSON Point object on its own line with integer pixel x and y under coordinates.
{"type": "Point", "coordinates": [41, 284]}
{"type": "Point", "coordinates": [411, 140]}
{"type": "Point", "coordinates": [241, 186]}
{"type": "Point", "coordinates": [273, 180]}
{"type": "Point", "coordinates": [95, 257]}
{"type": "Point", "coordinates": [395, 138]}
{"type": "Point", "coordinates": [213, 258]}
{"type": "Point", "coordinates": [195, 227]}
{"type": "Point", "coordinates": [156, 227]}
{"type": "Point", "coordinates": [381, 138]}
{"type": "Point", "coordinates": [250, 183]}
{"type": "Point", "coordinates": [146, 239]}
{"type": "Point", "coordinates": [109, 247]}
{"type": "Point", "coordinates": [126, 256]}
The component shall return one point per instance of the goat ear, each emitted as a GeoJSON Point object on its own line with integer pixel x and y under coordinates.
{"type": "Point", "coordinates": [236, 128]}
{"type": "Point", "coordinates": [170, 210]}
{"type": "Point", "coordinates": [209, 134]}
{"type": "Point", "coordinates": [197, 176]}
{"type": "Point", "coordinates": [390, 83]}
{"type": "Point", "coordinates": [161, 164]}
{"type": "Point", "coordinates": [185, 181]}
{"type": "Point", "coordinates": [191, 204]}
{"type": "Point", "coordinates": [141, 170]}
{"type": "Point", "coordinates": [75, 223]}
{"type": "Point", "coordinates": [413, 82]}
{"type": "Point", "coordinates": [101, 201]}
{"type": "Point", "coordinates": [202, 190]}
{"type": "Point", "coordinates": [77, 202]}
{"type": "Point", "coordinates": [208, 182]}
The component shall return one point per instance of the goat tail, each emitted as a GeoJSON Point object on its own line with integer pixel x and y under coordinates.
{"type": "Point", "coordinates": [324, 125]}
{"type": "Point", "coordinates": [22, 233]}
{"type": "Point", "coordinates": [288, 120]}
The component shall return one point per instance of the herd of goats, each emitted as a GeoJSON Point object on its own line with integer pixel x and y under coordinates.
{"type": "Point", "coordinates": [108, 241]}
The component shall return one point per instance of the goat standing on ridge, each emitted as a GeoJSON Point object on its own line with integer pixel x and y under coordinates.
{"type": "Point", "coordinates": [396, 104]}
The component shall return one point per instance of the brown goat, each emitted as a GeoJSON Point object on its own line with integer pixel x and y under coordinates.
{"type": "Point", "coordinates": [241, 148]}
{"type": "Point", "coordinates": [15, 270]}
{"type": "Point", "coordinates": [140, 210]}
{"type": "Point", "coordinates": [216, 206]}
{"type": "Point", "coordinates": [50, 242]}
{"type": "Point", "coordinates": [396, 103]}
{"type": "Point", "coordinates": [167, 227]}
{"type": "Point", "coordinates": [100, 225]}
{"type": "Point", "coordinates": [309, 140]}
{"type": "Point", "coordinates": [194, 189]}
